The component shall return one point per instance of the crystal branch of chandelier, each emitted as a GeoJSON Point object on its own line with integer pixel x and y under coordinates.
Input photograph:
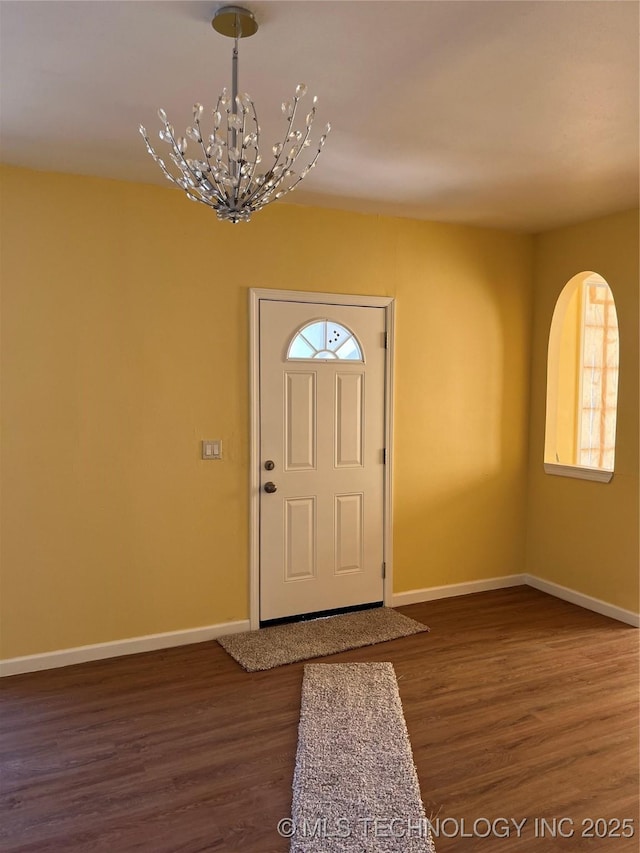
{"type": "Point", "coordinates": [225, 173]}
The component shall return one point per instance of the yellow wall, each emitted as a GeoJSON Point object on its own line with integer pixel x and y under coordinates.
{"type": "Point", "coordinates": [125, 342]}
{"type": "Point", "coordinates": [584, 535]}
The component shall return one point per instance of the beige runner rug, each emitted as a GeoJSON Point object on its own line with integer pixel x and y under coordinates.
{"type": "Point", "coordinates": [355, 786]}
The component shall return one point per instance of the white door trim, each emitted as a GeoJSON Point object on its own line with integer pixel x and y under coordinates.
{"type": "Point", "coordinates": [255, 296]}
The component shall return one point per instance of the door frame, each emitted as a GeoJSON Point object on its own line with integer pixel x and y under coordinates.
{"type": "Point", "coordinates": [256, 295]}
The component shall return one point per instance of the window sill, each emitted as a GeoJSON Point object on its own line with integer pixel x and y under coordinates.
{"type": "Point", "coordinates": [598, 475]}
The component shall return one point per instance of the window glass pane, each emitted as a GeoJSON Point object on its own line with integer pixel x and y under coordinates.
{"type": "Point", "coordinates": [595, 314]}
{"type": "Point", "coordinates": [349, 349]}
{"type": "Point", "coordinates": [611, 348]}
{"type": "Point", "coordinates": [336, 335]}
{"type": "Point", "coordinates": [593, 345]}
{"type": "Point", "coordinates": [315, 334]}
{"type": "Point", "coordinates": [600, 353]}
{"type": "Point", "coordinates": [590, 387]}
{"type": "Point", "coordinates": [607, 459]}
{"type": "Point", "coordinates": [300, 348]}
{"type": "Point", "coordinates": [590, 422]}
{"type": "Point", "coordinates": [611, 396]}
{"type": "Point", "coordinates": [610, 429]}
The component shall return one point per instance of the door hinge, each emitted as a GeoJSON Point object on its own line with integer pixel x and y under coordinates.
{"type": "Point", "coordinates": [384, 455]}
{"type": "Point", "coordinates": [384, 570]}
{"type": "Point", "coordinates": [385, 340]}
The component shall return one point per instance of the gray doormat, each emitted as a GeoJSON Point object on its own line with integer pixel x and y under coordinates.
{"type": "Point", "coordinates": [270, 647]}
{"type": "Point", "coordinates": [355, 786]}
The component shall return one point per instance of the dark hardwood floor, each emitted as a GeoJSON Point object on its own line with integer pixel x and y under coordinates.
{"type": "Point", "coordinates": [518, 706]}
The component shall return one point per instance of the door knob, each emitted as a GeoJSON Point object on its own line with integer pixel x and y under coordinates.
{"type": "Point", "coordinates": [270, 488]}
{"type": "Point", "coordinates": [269, 465]}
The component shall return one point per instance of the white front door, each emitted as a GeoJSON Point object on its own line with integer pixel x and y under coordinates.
{"type": "Point", "coordinates": [322, 386]}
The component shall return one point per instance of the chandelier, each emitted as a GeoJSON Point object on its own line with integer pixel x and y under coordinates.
{"type": "Point", "coordinates": [226, 173]}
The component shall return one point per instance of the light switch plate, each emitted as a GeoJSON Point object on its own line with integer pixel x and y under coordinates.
{"type": "Point", "coordinates": [212, 449]}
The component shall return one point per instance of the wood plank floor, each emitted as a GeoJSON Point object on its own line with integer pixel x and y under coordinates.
{"type": "Point", "coordinates": [518, 706]}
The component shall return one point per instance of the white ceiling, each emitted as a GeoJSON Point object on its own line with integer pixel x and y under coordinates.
{"type": "Point", "coordinates": [517, 114]}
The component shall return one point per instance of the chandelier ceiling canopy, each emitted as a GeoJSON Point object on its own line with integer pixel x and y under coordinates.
{"type": "Point", "coordinates": [226, 171]}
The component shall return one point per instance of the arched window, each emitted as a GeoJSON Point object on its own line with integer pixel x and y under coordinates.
{"type": "Point", "coordinates": [582, 381]}
{"type": "Point", "coordinates": [324, 339]}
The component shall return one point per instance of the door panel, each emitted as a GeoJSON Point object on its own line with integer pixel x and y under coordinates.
{"type": "Point", "coordinates": [322, 424]}
{"type": "Point", "coordinates": [300, 421]}
{"type": "Point", "coordinates": [349, 437]}
{"type": "Point", "coordinates": [300, 538]}
{"type": "Point", "coordinates": [349, 523]}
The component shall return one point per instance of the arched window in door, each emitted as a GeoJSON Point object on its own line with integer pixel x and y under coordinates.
{"type": "Point", "coordinates": [582, 381]}
{"type": "Point", "coordinates": [324, 339]}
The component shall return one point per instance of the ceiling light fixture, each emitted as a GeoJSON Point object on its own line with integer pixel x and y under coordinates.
{"type": "Point", "coordinates": [225, 173]}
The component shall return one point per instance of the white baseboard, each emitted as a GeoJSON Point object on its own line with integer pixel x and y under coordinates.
{"type": "Point", "coordinates": [118, 648]}
{"type": "Point", "coordinates": [154, 642]}
{"type": "Point", "coordinates": [431, 593]}
{"type": "Point", "coordinates": [415, 596]}
{"type": "Point", "coordinates": [582, 600]}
